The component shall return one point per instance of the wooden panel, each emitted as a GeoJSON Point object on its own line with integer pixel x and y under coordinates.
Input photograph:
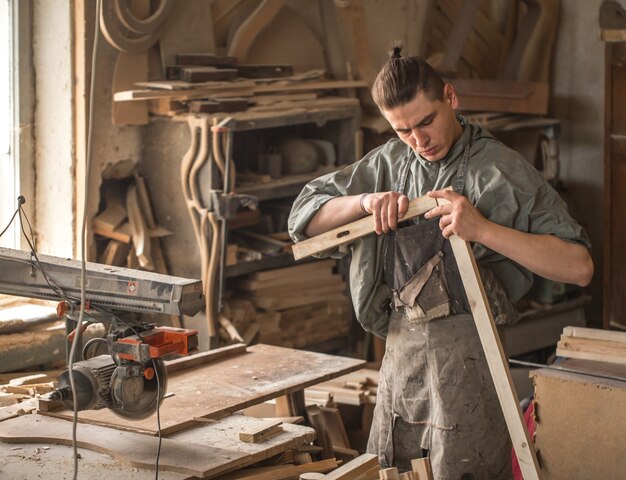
{"type": "Point", "coordinates": [617, 280]}
{"type": "Point", "coordinates": [580, 425]}
{"type": "Point", "coordinates": [132, 448]}
{"type": "Point", "coordinates": [208, 450]}
{"type": "Point", "coordinates": [262, 373]}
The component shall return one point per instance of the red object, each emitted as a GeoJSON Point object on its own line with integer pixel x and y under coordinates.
{"type": "Point", "coordinates": [529, 419]}
{"type": "Point", "coordinates": [162, 341]}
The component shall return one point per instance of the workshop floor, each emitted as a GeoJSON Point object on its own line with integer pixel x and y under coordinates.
{"type": "Point", "coordinates": [55, 462]}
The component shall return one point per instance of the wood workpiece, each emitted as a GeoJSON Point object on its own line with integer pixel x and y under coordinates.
{"type": "Point", "coordinates": [355, 230]}
{"type": "Point", "coordinates": [229, 384]}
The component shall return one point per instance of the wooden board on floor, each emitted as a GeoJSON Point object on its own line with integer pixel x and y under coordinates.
{"type": "Point", "coordinates": [132, 448]}
{"type": "Point", "coordinates": [231, 384]}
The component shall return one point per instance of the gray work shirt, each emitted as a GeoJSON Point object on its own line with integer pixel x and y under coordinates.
{"type": "Point", "coordinates": [503, 186]}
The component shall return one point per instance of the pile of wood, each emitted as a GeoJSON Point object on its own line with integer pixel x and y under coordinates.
{"type": "Point", "coordinates": [296, 306]}
{"type": "Point", "coordinates": [356, 388]}
{"type": "Point", "coordinates": [218, 85]}
{"type": "Point", "coordinates": [16, 388]}
{"type": "Point", "coordinates": [593, 344]}
{"type": "Point", "coordinates": [127, 222]}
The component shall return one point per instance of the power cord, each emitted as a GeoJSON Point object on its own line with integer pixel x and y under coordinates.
{"type": "Point", "coordinates": [83, 233]}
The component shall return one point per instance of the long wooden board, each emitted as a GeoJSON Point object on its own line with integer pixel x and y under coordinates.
{"type": "Point", "coordinates": [228, 385]}
{"type": "Point", "coordinates": [496, 359]}
{"type": "Point", "coordinates": [355, 230]}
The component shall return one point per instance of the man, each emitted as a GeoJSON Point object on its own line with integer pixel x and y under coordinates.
{"type": "Point", "coordinates": [435, 394]}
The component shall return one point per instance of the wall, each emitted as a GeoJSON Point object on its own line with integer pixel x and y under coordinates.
{"type": "Point", "coordinates": [578, 101]}
{"type": "Point", "coordinates": [53, 127]}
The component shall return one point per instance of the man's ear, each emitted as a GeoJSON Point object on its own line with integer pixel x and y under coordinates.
{"type": "Point", "coordinates": [449, 95]}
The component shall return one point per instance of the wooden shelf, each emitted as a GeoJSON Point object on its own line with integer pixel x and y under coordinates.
{"type": "Point", "coordinates": [287, 186]}
{"type": "Point", "coordinates": [266, 263]}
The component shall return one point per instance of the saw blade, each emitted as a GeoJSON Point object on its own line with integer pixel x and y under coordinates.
{"type": "Point", "coordinates": [136, 390]}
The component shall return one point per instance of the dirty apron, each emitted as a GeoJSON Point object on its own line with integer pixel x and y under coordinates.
{"type": "Point", "coordinates": [435, 394]}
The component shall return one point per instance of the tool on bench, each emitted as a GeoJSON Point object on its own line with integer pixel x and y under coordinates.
{"type": "Point", "coordinates": [130, 379]}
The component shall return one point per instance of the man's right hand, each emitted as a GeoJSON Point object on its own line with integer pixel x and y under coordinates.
{"type": "Point", "coordinates": [387, 208]}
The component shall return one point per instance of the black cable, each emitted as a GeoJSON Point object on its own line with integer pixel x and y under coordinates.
{"type": "Point", "coordinates": [91, 342]}
{"type": "Point", "coordinates": [20, 201]}
{"type": "Point", "coordinates": [83, 231]}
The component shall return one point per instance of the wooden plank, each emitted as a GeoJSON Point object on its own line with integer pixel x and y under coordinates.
{"type": "Point", "coordinates": [591, 349]}
{"type": "Point", "coordinates": [203, 358]}
{"type": "Point", "coordinates": [595, 334]}
{"type": "Point", "coordinates": [422, 468]}
{"type": "Point", "coordinates": [389, 474]}
{"type": "Point", "coordinates": [236, 382]}
{"type": "Point", "coordinates": [496, 359]}
{"type": "Point", "coordinates": [354, 468]}
{"type": "Point", "coordinates": [131, 448]}
{"type": "Point", "coordinates": [355, 230]}
{"type": "Point", "coordinates": [262, 432]}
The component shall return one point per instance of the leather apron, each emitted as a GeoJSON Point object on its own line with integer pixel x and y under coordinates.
{"type": "Point", "coordinates": [435, 394]}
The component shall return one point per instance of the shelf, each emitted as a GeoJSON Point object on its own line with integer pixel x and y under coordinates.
{"type": "Point", "coordinates": [245, 121]}
{"type": "Point", "coordinates": [287, 186]}
{"type": "Point", "coordinates": [541, 328]}
{"type": "Point", "coordinates": [266, 263]}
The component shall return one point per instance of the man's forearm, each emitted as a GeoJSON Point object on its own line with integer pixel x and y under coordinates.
{"type": "Point", "coordinates": [335, 213]}
{"type": "Point", "coordinates": [545, 255]}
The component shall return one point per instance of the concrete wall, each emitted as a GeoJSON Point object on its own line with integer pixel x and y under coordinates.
{"type": "Point", "coordinates": [578, 101]}
{"type": "Point", "coordinates": [54, 156]}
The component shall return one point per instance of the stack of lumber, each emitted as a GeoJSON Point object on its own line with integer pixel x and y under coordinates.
{"type": "Point", "coordinates": [593, 344]}
{"type": "Point", "coordinates": [298, 306]}
{"type": "Point", "coordinates": [357, 388]}
{"type": "Point", "coordinates": [210, 87]}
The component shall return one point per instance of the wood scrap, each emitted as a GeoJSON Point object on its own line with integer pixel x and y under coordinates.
{"type": "Point", "coordinates": [207, 74]}
{"type": "Point", "coordinates": [139, 230]}
{"type": "Point", "coordinates": [261, 432]}
{"type": "Point", "coordinates": [264, 71]}
{"type": "Point", "coordinates": [355, 468]}
{"type": "Point", "coordinates": [422, 468]}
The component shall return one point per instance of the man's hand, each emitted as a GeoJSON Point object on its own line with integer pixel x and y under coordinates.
{"type": "Point", "coordinates": [387, 208]}
{"type": "Point", "coordinates": [459, 217]}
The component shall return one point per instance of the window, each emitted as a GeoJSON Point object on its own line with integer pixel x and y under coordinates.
{"type": "Point", "coordinates": [8, 170]}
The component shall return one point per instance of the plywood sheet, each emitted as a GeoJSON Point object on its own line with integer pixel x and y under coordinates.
{"type": "Point", "coordinates": [216, 389]}
{"type": "Point", "coordinates": [581, 422]}
{"type": "Point", "coordinates": [132, 448]}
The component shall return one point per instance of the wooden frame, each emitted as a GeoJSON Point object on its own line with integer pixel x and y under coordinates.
{"type": "Point", "coordinates": [485, 325]}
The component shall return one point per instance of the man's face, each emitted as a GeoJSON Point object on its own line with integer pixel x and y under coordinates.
{"type": "Point", "coordinates": [429, 127]}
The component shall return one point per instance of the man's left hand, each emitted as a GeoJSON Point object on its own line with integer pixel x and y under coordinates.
{"type": "Point", "coordinates": [459, 217]}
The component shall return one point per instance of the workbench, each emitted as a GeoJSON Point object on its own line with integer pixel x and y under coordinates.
{"type": "Point", "coordinates": [200, 433]}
